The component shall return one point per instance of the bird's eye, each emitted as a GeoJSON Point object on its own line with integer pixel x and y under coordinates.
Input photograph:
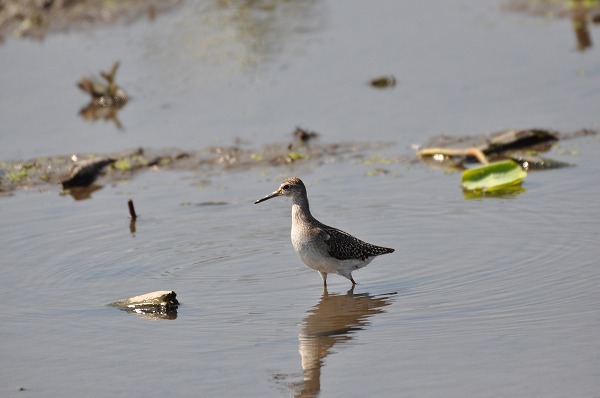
{"type": "Point", "coordinates": [285, 187]}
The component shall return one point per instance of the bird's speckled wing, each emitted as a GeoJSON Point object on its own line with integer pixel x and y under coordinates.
{"type": "Point", "coordinates": [344, 246]}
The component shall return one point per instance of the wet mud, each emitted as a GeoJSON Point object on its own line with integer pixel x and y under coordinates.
{"type": "Point", "coordinates": [85, 170]}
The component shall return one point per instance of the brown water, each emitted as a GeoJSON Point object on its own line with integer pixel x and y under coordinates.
{"type": "Point", "coordinates": [486, 297]}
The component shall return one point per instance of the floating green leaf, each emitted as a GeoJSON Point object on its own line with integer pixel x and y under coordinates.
{"type": "Point", "coordinates": [493, 177]}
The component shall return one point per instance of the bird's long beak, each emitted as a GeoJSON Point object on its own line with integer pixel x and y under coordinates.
{"type": "Point", "coordinates": [270, 196]}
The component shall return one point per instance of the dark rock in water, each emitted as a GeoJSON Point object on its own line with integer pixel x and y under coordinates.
{"type": "Point", "coordinates": [85, 172]}
{"type": "Point", "coordinates": [383, 82]}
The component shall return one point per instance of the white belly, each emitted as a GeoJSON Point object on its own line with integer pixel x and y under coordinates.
{"type": "Point", "coordinates": [316, 259]}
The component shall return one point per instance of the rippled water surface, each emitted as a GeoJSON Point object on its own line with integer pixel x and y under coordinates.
{"type": "Point", "coordinates": [483, 297]}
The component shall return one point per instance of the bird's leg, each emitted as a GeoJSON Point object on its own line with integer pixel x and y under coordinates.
{"type": "Point", "coordinates": [352, 280]}
{"type": "Point", "coordinates": [324, 277]}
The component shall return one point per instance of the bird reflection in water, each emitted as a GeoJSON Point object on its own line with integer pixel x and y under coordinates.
{"type": "Point", "coordinates": [334, 320]}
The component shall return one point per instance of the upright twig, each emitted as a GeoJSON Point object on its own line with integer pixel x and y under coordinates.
{"type": "Point", "coordinates": [131, 210]}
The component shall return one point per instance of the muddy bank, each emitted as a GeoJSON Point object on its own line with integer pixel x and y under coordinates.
{"type": "Point", "coordinates": [47, 173]}
{"type": "Point", "coordinates": [83, 170]}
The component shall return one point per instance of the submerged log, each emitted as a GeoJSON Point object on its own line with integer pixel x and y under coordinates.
{"type": "Point", "coordinates": [495, 143]}
{"type": "Point", "coordinates": [522, 146]}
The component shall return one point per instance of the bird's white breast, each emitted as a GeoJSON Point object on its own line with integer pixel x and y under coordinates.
{"type": "Point", "coordinates": [311, 250]}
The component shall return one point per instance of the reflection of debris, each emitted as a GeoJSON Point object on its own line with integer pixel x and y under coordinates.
{"type": "Point", "coordinates": [82, 193]}
{"type": "Point", "coordinates": [304, 136]}
{"type": "Point", "coordinates": [551, 8]}
{"type": "Point", "coordinates": [92, 112]}
{"type": "Point", "coordinates": [105, 94]}
{"type": "Point", "coordinates": [234, 34]}
{"type": "Point", "coordinates": [107, 98]}
{"type": "Point", "coordinates": [580, 12]}
{"type": "Point", "coordinates": [383, 82]}
{"type": "Point", "coordinates": [579, 19]}
{"type": "Point", "coordinates": [36, 18]}
{"type": "Point", "coordinates": [505, 193]}
{"type": "Point", "coordinates": [156, 305]}
{"type": "Point", "coordinates": [85, 172]}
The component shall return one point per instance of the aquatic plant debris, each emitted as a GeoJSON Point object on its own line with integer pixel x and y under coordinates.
{"type": "Point", "coordinates": [45, 172]}
{"type": "Point", "coordinates": [454, 151]}
{"type": "Point", "coordinates": [493, 177]}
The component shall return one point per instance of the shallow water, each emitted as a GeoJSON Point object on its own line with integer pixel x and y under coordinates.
{"type": "Point", "coordinates": [483, 297]}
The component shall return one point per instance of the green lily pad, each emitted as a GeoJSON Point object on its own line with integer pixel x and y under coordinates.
{"type": "Point", "coordinates": [493, 177]}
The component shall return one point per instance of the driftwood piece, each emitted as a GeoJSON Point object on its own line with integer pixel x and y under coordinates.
{"type": "Point", "coordinates": [161, 304]}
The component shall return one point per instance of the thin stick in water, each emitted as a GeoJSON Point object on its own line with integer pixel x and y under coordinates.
{"type": "Point", "coordinates": [131, 210]}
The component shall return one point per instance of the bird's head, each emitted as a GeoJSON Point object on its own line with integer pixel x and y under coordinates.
{"type": "Point", "coordinates": [291, 187]}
